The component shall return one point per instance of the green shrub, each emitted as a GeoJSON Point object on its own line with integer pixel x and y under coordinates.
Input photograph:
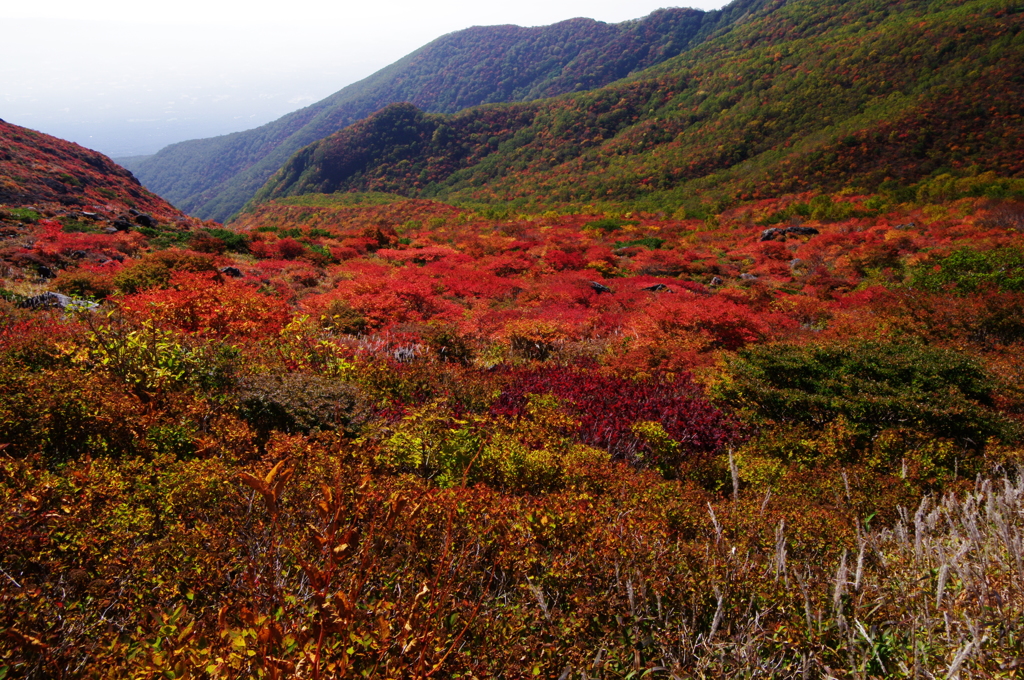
{"type": "Point", "coordinates": [608, 224]}
{"type": "Point", "coordinates": [176, 440]}
{"type": "Point", "coordinates": [651, 243]}
{"type": "Point", "coordinates": [234, 241]}
{"type": "Point", "coordinates": [968, 270]}
{"type": "Point", "coordinates": [873, 386]}
{"type": "Point", "coordinates": [78, 227]}
{"type": "Point", "coordinates": [431, 443]}
{"type": "Point", "coordinates": [22, 214]}
{"type": "Point", "coordinates": [13, 298]}
{"type": "Point", "coordinates": [151, 361]}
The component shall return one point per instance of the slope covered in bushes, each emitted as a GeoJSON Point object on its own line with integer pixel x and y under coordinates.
{"type": "Point", "coordinates": [213, 178]}
{"type": "Point", "coordinates": [800, 95]}
{"type": "Point", "coordinates": [369, 435]}
{"type": "Point", "coordinates": [65, 207]}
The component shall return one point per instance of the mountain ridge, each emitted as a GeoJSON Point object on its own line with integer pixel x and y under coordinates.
{"type": "Point", "coordinates": [213, 178]}
{"type": "Point", "coordinates": [798, 96]}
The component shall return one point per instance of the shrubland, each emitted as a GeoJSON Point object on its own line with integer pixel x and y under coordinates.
{"type": "Point", "coordinates": [380, 437]}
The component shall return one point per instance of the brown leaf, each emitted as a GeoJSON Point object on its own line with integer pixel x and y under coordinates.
{"type": "Point", "coordinates": [254, 482]}
{"type": "Point", "coordinates": [27, 640]}
{"type": "Point", "coordinates": [273, 472]}
{"type": "Point", "coordinates": [222, 618]}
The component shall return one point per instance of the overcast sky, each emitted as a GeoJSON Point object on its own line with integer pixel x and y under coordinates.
{"type": "Point", "coordinates": [128, 77]}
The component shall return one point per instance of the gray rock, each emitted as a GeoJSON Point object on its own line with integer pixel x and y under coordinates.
{"type": "Point", "coordinates": [50, 300]}
{"type": "Point", "coordinates": [801, 231]}
{"type": "Point", "coordinates": [233, 272]}
{"type": "Point", "coordinates": [600, 287]}
{"type": "Point", "coordinates": [773, 233]}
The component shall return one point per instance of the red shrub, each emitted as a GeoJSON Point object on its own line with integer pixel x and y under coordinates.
{"type": "Point", "coordinates": [608, 407]}
{"type": "Point", "coordinates": [198, 303]}
{"type": "Point", "coordinates": [560, 260]}
{"type": "Point", "coordinates": [289, 248]}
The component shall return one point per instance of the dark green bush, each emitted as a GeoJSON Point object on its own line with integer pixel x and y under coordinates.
{"type": "Point", "coordinates": [11, 297]}
{"type": "Point", "coordinates": [874, 386]}
{"type": "Point", "coordinates": [651, 243]}
{"type": "Point", "coordinates": [609, 224]}
{"type": "Point", "coordinates": [72, 226]}
{"type": "Point", "coordinates": [234, 241]}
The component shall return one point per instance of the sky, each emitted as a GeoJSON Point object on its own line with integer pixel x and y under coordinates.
{"type": "Point", "coordinates": [128, 77]}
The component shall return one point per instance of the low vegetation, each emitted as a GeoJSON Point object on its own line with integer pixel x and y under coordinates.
{"type": "Point", "coordinates": [396, 438]}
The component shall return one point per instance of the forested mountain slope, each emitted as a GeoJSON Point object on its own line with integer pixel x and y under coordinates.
{"type": "Point", "coordinates": [213, 178]}
{"type": "Point", "coordinates": [804, 94]}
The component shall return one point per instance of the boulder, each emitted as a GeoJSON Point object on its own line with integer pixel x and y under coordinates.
{"type": "Point", "coordinates": [801, 231]}
{"type": "Point", "coordinates": [50, 300]}
{"type": "Point", "coordinates": [600, 287]}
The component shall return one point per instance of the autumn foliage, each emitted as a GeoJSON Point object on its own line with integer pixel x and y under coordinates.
{"type": "Point", "coordinates": [395, 438]}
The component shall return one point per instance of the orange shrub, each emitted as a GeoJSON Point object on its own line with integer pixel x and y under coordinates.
{"type": "Point", "coordinates": [199, 303]}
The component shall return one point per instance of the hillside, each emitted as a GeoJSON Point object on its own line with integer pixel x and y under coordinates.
{"type": "Point", "coordinates": [799, 95]}
{"type": "Point", "coordinates": [635, 421]}
{"type": "Point", "coordinates": [406, 439]}
{"type": "Point", "coordinates": [66, 207]}
{"type": "Point", "coordinates": [213, 178]}
{"type": "Point", "coordinates": [38, 168]}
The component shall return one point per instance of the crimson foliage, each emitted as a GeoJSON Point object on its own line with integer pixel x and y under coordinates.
{"type": "Point", "coordinates": [608, 408]}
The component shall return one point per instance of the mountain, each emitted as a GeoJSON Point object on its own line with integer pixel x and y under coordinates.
{"type": "Point", "coordinates": [801, 94]}
{"type": "Point", "coordinates": [36, 168]}
{"type": "Point", "coordinates": [63, 206]}
{"type": "Point", "coordinates": [213, 178]}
